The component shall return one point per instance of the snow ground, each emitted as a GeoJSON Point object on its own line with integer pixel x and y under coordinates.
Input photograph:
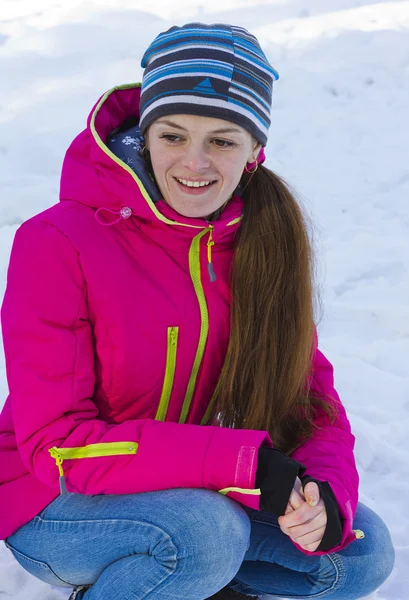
{"type": "Point", "coordinates": [339, 134]}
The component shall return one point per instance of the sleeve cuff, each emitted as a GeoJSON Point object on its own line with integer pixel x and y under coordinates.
{"type": "Point", "coordinates": [276, 475]}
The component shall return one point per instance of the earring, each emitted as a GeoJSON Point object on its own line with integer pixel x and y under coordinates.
{"type": "Point", "coordinates": [251, 170]}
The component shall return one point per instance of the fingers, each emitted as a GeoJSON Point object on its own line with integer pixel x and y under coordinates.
{"type": "Point", "coordinates": [298, 485]}
{"type": "Point", "coordinates": [312, 547]}
{"type": "Point", "coordinates": [295, 499]}
{"type": "Point", "coordinates": [299, 531]}
{"type": "Point", "coordinates": [311, 493]}
{"type": "Point", "coordinates": [301, 515]}
{"type": "Point", "coordinates": [305, 525]}
{"type": "Point", "coordinates": [311, 540]}
{"type": "Point", "coordinates": [305, 518]}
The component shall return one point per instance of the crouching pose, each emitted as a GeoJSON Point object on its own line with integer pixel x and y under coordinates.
{"type": "Point", "coordinates": [172, 429]}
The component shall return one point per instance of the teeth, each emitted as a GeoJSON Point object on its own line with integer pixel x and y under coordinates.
{"type": "Point", "coordinates": [194, 183]}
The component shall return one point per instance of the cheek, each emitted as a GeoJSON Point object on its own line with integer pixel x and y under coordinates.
{"type": "Point", "coordinates": [232, 171]}
{"type": "Point", "coordinates": [160, 166]}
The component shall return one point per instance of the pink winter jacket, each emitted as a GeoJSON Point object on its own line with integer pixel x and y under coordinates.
{"type": "Point", "coordinates": [114, 339]}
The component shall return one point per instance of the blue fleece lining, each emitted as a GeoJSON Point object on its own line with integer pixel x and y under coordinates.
{"type": "Point", "coordinates": [127, 146]}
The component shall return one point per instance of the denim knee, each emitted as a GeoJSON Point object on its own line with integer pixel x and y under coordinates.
{"type": "Point", "coordinates": [382, 560]}
{"type": "Point", "coordinates": [367, 563]}
{"type": "Point", "coordinates": [193, 540]}
{"type": "Point", "coordinates": [216, 534]}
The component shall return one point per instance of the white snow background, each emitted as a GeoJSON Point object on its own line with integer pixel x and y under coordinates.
{"type": "Point", "coordinates": [339, 135]}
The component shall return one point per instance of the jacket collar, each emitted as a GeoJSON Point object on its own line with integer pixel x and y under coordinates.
{"type": "Point", "coordinates": [93, 175]}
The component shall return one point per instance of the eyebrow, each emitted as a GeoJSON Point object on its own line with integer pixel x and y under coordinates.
{"type": "Point", "coordinates": [176, 126]}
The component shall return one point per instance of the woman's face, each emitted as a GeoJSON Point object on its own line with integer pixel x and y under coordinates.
{"type": "Point", "coordinates": [198, 161]}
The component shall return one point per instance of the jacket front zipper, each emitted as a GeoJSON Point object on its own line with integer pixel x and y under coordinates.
{"type": "Point", "coordinates": [194, 267]}
{"type": "Point", "coordinates": [90, 451]}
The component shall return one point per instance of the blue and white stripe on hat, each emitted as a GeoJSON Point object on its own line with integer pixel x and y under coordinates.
{"type": "Point", "coordinates": [208, 70]}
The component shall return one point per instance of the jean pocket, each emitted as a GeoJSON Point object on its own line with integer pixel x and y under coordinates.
{"type": "Point", "coordinates": [37, 568]}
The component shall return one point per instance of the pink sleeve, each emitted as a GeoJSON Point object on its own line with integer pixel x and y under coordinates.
{"type": "Point", "coordinates": [50, 367]}
{"type": "Point", "coordinates": [328, 454]}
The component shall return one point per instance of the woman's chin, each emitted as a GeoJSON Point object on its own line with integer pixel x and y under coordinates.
{"type": "Point", "coordinates": [193, 212]}
{"type": "Point", "coordinates": [190, 214]}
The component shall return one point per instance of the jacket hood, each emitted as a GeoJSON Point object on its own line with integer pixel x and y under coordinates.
{"type": "Point", "coordinates": [93, 175]}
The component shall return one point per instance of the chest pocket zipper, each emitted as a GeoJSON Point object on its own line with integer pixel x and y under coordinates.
{"type": "Point", "coordinates": [173, 333]}
{"type": "Point", "coordinates": [122, 448]}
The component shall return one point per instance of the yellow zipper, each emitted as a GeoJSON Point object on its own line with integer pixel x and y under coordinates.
{"type": "Point", "coordinates": [194, 267]}
{"type": "Point", "coordinates": [173, 333]}
{"type": "Point", "coordinates": [90, 451]}
{"type": "Point", "coordinates": [234, 221]}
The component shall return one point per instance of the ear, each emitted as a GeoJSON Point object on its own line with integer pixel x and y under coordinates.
{"type": "Point", "coordinates": [255, 152]}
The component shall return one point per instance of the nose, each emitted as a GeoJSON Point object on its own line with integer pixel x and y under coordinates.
{"type": "Point", "coordinates": [196, 158]}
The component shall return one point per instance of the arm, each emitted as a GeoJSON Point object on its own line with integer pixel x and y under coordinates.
{"type": "Point", "coordinates": [50, 367]}
{"type": "Point", "coordinates": [328, 455]}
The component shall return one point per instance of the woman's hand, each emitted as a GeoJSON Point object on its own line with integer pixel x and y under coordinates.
{"type": "Point", "coordinates": [296, 498]}
{"type": "Point", "coordinates": [305, 518]}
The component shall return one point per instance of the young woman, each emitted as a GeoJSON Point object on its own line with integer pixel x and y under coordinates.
{"type": "Point", "coordinates": [172, 429]}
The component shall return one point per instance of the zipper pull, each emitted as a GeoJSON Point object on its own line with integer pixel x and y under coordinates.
{"type": "Point", "coordinates": [210, 243]}
{"type": "Point", "coordinates": [359, 534]}
{"type": "Point", "coordinates": [63, 487]}
{"type": "Point", "coordinates": [59, 461]}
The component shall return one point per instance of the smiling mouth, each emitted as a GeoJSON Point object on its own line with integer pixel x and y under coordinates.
{"type": "Point", "coordinates": [195, 184]}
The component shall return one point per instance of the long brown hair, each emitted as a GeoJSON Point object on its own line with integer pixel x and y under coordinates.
{"type": "Point", "coordinates": [264, 381]}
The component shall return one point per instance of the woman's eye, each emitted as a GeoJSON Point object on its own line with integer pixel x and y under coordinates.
{"type": "Point", "coordinates": [223, 143]}
{"type": "Point", "coordinates": [170, 137]}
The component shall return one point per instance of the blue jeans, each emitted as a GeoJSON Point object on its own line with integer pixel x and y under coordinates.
{"type": "Point", "coordinates": [188, 544]}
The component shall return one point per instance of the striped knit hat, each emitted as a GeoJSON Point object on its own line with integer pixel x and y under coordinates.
{"type": "Point", "coordinates": [208, 70]}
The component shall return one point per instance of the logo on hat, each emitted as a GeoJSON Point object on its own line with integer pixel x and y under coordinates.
{"type": "Point", "coordinates": [205, 87]}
